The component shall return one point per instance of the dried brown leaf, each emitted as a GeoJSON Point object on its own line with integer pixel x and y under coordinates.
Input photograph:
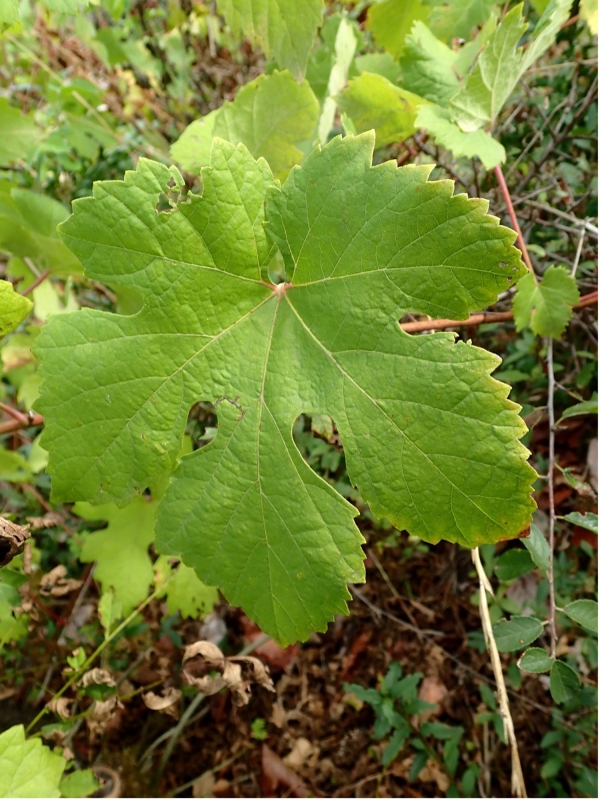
{"type": "Point", "coordinates": [55, 584]}
{"type": "Point", "coordinates": [276, 774]}
{"type": "Point", "coordinates": [168, 703]}
{"type": "Point", "coordinates": [12, 540]}
{"type": "Point", "coordinates": [60, 706]}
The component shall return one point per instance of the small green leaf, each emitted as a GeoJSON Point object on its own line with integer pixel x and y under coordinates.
{"type": "Point", "coordinates": [395, 744]}
{"type": "Point", "coordinates": [438, 123]}
{"type": "Point", "coordinates": [535, 659]}
{"type": "Point", "coordinates": [27, 767]}
{"type": "Point", "coordinates": [13, 308]}
{"type": "Point", "coordinates": [516, 633]}
{"type": "Point", "coordinates": [80, 783]}
{"type": "Point", "coordinates": [548, 306]}
{"type": "Point", "coordinates": [512, 564]}
{"type": "Point", "coordinates": [109, 611]}
{"type": "Point", "coordinates": [585, 407]}
{"type": "Point", "coordinates": [372, 102]}
{"type": "Point", "coordinates": [588, 520]}
{"type": "Point", "coordinates": [285, 29]}
{"type": "Point", "coordinates": [564, 682]}
{"type": "Point", "coordinates": [538, 548]}
{"type": "Point", "coordinates": [585, 612]}
{"type": "Point", "coordinates": [417, 765]}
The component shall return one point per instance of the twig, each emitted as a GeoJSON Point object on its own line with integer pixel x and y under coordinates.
{"type": "Point", "coordinates": [584, 223]}
{"type": "Point", "coordinates": [552, 520]}
{"type": "Point", "coordinates": [30, 421]}
{"type": "Point", "coordinates": [513, 218]}
{"type": "Point", "coordinates": [517, 781]}
{"type": "Point", "coordinates": [40, 279]}
{"type": "Point", "coordinates": [477, 319]}
{"type": "Point", "coordinates": [426, 632]}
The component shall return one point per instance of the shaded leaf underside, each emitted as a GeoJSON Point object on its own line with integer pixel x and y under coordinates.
{"type": "Point", "coordinates": [429, 437]}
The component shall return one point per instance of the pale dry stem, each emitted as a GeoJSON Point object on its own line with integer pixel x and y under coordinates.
{"type": "Point", "coordinates": [517, 780]}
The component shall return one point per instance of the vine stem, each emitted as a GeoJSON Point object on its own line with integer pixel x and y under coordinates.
{"type": "Point", "coordinates": [552, 520]}
{"type": "Point", "coordinates": [98, 651]}
{"type": "Point", "coordinates": [517, 781]}
{"type": "Point", "coordinates": [513, 218]}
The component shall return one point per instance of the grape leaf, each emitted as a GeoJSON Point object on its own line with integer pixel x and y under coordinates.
{"type": "Point", "coordinates": [27, 767]}
{"type": "Point", "coordinates": [588, 11]}
{"type": "Point", "coordinates": [546, 306]}
{"type": "Point", "coordinates": [285, 29]}
{"type": "Point", "coordinates": [391, 21]}
{"type": "Point", "coordinates": [430, 439]}
{"type": "Point", "coordinates": [272, 115]}
{"type": "Point", "coordinates": [458, 18]}
{"type": "Point", "coordinates": [427, 66]}
{"type": "Point", "coordinates": [9, 13]}
{"type": "Point", "coordinates": [372, 102]}
{"type": "Point", "coordinates": [13, 308]}
{"type": "Point", "coordinates": [121, 549]}
{"type": "Point", "coordinates": [437, 121]}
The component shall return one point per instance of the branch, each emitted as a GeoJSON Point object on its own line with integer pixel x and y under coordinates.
{"type": "Point", "coordinates": [477, 319]}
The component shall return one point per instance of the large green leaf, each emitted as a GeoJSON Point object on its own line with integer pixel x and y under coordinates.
{"type": "Point", "coordinates": [585, 612]}
{"type": "Point", "coordinates": [372, 102]}
{"type": "Point", "coordinates": [272, 116]}
{"type": "Point", "coordinates": [27, 767]}
{"type": "Point", "coordinates": [285, 29]}
{"type": "Point", "coordinates": [428, 66]}
{"type": "Point", "coordinates": [13, 308]}
{"type": "Point", "coordinates": [430, 439]}
{"type": "Point", "coordinates": [546, 306]}
{"type": "Point", "coordinates": [391, 21]}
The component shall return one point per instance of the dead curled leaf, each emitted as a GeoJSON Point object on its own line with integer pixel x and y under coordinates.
{"type": "Point", "coordinates": [97, 676]}
{"type": "Point", "coordinates": [168, 703]}
{"type": "Point", "coordinates": [60, 706]}
{"type": "Point", "coordinates": [231, 672]}
{"type": "Point", "coordinates": [55, 584]}
{"type": "Point", "coordinates": [12, 540]}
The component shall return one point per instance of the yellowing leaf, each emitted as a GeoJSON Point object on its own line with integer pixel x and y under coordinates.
{"type": "Point", "coordinates": [438, 123]}
{"type": "Point", "coordinates": [27, 767]}
{"type": "Point", "coordinates": [13, 308]}
{"type": "Point", "coordinates": [391, 21]}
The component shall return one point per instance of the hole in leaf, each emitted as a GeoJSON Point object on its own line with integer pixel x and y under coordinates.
{"type": "Point", "coordinates": [319, 443]}
{"type": "Point", "coordinates": [202, 424]}
{"type": "Point", "coordinates": [164, 205]}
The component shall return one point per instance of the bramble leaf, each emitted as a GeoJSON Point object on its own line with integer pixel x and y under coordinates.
{"type": "Point", "coordinates": [13, 308]}
{"type": "Point", "coordinates": [27, 767]}
{"type": "Point", "coordinates": [588, 520]}
{"type": "Point", "coordinates": [585, 612]}
{"type": "Point", "coordinates": [536, 660]}
{"type": "Point", "coordinates": [361, 246]}
{"type": "Point", "coordinates": [272, 116]}
{"type": "Point", "coordinates": [546, 306]}
{"type": "Point", "coordinates": [285, 29]}
{"type": "Point", "coordinates": [516, 632]}
{"type": "Point", "coordinates": [564, 682]}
